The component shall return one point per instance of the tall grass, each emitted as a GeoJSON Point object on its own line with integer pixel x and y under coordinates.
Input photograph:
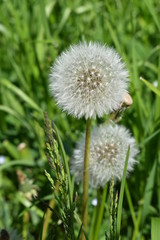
{"type": "Point", "coordinates": [32, 34]}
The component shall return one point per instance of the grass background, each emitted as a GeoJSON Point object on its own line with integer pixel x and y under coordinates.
{"type": "Point", "coordinates": [32, 34]}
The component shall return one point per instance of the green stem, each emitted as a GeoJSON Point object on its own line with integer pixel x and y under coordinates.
{"type": "Point", "coordinates": [119, 213]}
{"type": "Point", "coordinates": [136, 229]}
{"type": "Point", "coordinates": [129, 199]}
{"type": "Point", "coordinates": [47, 219]}
{"type": "Point", "coordinates": [100, 211]}
{"type": "Point", "coordinates": [86, 177]}
{"type": "Point", "coordinates": [111, 208]}
{"type": "Point", "coordinates": [93, 223]}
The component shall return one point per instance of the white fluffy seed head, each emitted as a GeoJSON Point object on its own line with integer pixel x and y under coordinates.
{"type": "Point", "coordinates": [88, 80]}
{"type": "Point", "coordinates": [108, 149]}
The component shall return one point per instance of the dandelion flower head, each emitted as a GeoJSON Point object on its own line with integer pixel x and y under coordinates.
{"type": "Point", "coordinates": [108, 149]}
{"type": "Point", "coordinates": [88, 80]}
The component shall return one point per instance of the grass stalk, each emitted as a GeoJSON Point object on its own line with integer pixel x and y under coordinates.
{"type": "Point", "coordinates": [86, 177]}
{"type": "Point", "coordinates": [155, 228]}
{"type": "Point", "coordinates": [92, 227]}
{"type": "Point", "coordinates": [47, 219]}
{"type": "Point", "coordinates": [100, 211]}
{"type": "Point", "coordinates": [136, 229]}
{"type": "Point", "coordinates": [129, 199]}
{"type": "Point", "coordinates": [119, 214]}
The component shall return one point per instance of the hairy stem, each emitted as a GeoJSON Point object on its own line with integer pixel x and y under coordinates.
{"type": "Point", "coordinates": [86, 177]}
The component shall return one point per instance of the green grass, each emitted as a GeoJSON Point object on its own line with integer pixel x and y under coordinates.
{"type": "Point", "coordinates": [32, 34]}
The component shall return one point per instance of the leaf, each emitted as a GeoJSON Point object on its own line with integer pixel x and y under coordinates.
{"type": "Point", "coordinates": [21, 94]}
{"type": "Point", "coordinates": [152, 11]}
{"type": "Point", "coordinates": [7, 165]}
{"type": "Point", "coordinates": [155, 228]}
{"type": "Point", "coordinates": [119, 214]}
{"type": "Point", "coordinates": [146, 140]}
{"type": "Point", "coordinates": [15, 114]}
{"type": "Point", "coordinates": [154, 89]}
{"type": "Point", "coordinates": [148, 193]}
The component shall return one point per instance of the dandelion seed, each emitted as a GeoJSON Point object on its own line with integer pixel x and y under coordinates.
{"type": "Point", "coordinates": [89, 80]}
{"type": "Point", "coordinates": [108, 149]}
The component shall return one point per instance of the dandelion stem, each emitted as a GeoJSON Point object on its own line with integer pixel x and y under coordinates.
{"type": "Point", "coordinates": [86, 177]}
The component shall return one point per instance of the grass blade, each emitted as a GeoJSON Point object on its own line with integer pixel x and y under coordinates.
{"type": "Point", "coordinates": [129, 199]}
{"type": "Point", "coordinates": [119, 214]}
{"type": "Point", "coordinates": [148, 193]}
{"type": "Point", "coordinates": [14, 114]}
{"type": "Point", "coordinates": [152, 11]}
{"type": "Point", "coordinates": [100, 213]}
{"type": "Point", "coordinates": [21, 94]}
{"type": "Point", "coordinates": [155, 228]}
{"type": "Point", "coordinates": [154, 89]}
{"type": "Point", "coordinates": [17, 162]}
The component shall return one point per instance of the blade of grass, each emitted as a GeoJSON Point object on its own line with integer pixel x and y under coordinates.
{"type": "Point", "coordinates": [148, 193]}
{"type": "Point", "coordinates": [41, 229]}
{"type": "Point", "coordinates": [64, 19]}
{"type": "Point", "coordinates": [100, 213]}
{"type": "Point", "coordinates": [152, 11]}
{"type": "Point", "coordinates": [79, 234]}
{"type": "Point", "coordinates": [155, 228]}
{"type": "Point", "coordinates": [92, 227]}
{"type": "Point", "coordinates": [157, 117]}
{"type": "Point", "coordinates": [129, 199]}
{"type": "Point", "coordinates": [139, 104]}
{"type": "Point", "coordinates": [149, 138]}
{"type": "Point", "coordinates": [136, 229]}
{"type": "Point", "coordinates": [76, 216]}
{"type": "Point", "coordinates": [119, 213]}
{"type": "Point", "coordinates": [154, 89]}
{"type": "Point", "coordinates": [21, 94]}
{"type": "Point", "coordinates": [15, 114]}
{"type": "Point", "coordinates": [157, 110]}
{"type": "Point", "coordinates": [44, 19]}
{"type": "Point", "coordinates": [46, 24]}
{"type": "Point", "coordinates": [7, 165]}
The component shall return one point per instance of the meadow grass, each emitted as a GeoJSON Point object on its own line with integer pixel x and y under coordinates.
{"type": "Point", "coordinates": [32, 34]}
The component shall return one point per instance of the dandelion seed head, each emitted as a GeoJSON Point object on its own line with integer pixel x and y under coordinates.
{"type": "Point", "coordinates": [88, 80]}
{"type": "Point", "coordinates": [108, 149]}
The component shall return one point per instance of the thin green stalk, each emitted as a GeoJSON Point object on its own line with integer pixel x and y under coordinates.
{"type": "Point", "coordinates": [25, 221]}
{"type": "Point", "coordinates": [92, 227]}
{"type": "Point", "coordinates": [119, 214]}
{"type": "Point", "coordinates": [136, 229]}
{"type": "Point", "coordinates": [47, 219]}
{"type": "Point", "coordinates": [48, 215]}
{"type": "Point", "coordinates": [111, 207]}
{"type": "Point", "coordinates": [86, 177]}
{"type": "Point", "coordinates": [155, 228]}
{"type": "Point", "coordinates": [100, 208]}
{"type": "Point", "coordinates": [130, 204]}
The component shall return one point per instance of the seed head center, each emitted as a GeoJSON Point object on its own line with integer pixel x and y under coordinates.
{"type": "Point", "coordinates": [88, 80]}
{"type": "Point", "coordinates": [106, 152]}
